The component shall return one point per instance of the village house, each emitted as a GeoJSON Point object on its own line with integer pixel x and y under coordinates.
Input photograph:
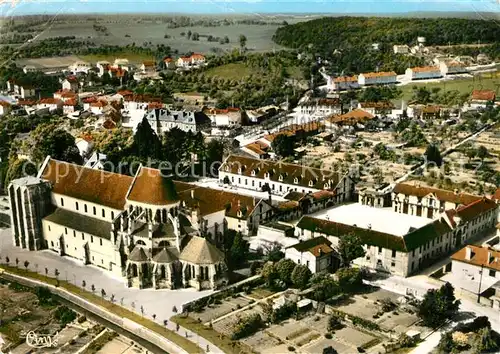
{"type": "Point", "coordinates": [382, 108]}
{"type": "Point", "coordinates": [70, 84]}
{"type": "Point", "coordinates": [80, 67]}
{"type": "Point", "coordinates": [478, 264]}
{"type": "Point", "coordinates": [257, 150]}
{"type": "Point", "coordinates": [29, 69]}
{"type": "Point", "coordinates": [65, 95]}
{"type": "Point", "coordinates": [377, 78]}
{"type": "Point", "coordinates": [102, 66]}
{"type": "Point", "coordinates": [316, 253]}
{"type": "Point", "coordinates": [480, 99]}
{"type": "Point", "coordinates": [69, 107]}
{"type": "Point", "coordinates": [342, 83]}
{"type": "Point", "coordinates": [20, 90]}
{"type": "Point", "coordinates": [98, 107]}
{"type": "Point", "coordinates": [52, 104]}
{"type": "Point", "coordinates": [148, 67]}
{"type": "Point", "coordinates": [401, 49]}
{"type": "Point", "coordinates": [450, 67]}
{"type": "Point", "coordinates": [5, 108]}
{"type": "Point", "coordinates": [321, 107]}
{"type": "Point", "coordinates": [423, 72]}
{"type": "Point", "coordinates": [169, 63]}
{"type": "Point", "coordinates": [261, 114]}
{"type": "Point", "coordinates": [281, 178]}
{"type": "Point", "coordinates": [352, 118]}
{"type": "Point", "coordinates": [229, 117]}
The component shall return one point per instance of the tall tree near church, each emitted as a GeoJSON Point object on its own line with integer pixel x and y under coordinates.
{"type": "Point", "coordinates": [146, 143]}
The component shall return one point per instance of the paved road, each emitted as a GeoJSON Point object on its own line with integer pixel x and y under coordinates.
{"type": "Point", "coordinates": [159, 302]}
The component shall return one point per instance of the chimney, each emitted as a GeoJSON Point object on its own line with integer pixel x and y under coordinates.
{"type": "Point", "coordinates": [468, 253]}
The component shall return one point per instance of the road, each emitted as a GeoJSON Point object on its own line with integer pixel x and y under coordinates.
{"type": "Point", "coordinates": [159, 302]}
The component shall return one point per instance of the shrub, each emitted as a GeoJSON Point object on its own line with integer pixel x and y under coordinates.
{"type": "Point", "coordinates": [328, 336]}
{"type": "Point", "coordinates": [334, 323]}
{"type": "Point", "coordinates": [300, 276]}
{"type": "Point", "coordinates": [254, 267]}
{"type": "Point", "coordinates": [64, 315]}
{"type": "Point", "coordinates": [81, 319]}
{"type": "Point", "coordinates": [358, 321]}
{"type": "Point", "coordinates": [291, 349]}
{"type": "Point", "coordinates": [387, 305]}
{"type": "Point", "coordinates": [284, 312]}
{"type": "Point", "coordinates": [247, 326]}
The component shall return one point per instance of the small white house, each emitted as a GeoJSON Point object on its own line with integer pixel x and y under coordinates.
{"type": "Point", "coordinates": [5, 108]}
{"type": "Point", "coordinates": [316, 253]}
{"type": "Point", "coordinates": [80, 67]}
{"type": "Point", "coordinates": [377, 78]}
{"type": "Point", "coordinates": [401, 49]}
{"type": "Point", "coordinates": [452, 67]}
{"type": "Point", "coordinates": [70, 84]}
{"type": "Point", "coordinates": [423, 72]}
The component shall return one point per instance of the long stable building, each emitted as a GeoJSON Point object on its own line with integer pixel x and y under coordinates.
{"type": "Point", "coordinates": [151, 230]}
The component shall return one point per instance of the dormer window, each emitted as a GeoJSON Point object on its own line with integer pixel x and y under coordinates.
{"type": "Point", "coordinates": [227, 168]}
{"type": "Point", "coordinates": [239, 170]}
{"type": "Point", "coordinates": [239, 213]}
{"type": "Point", "coordinates": [311, 183]}
{"type": "Point", "coordinates": [295, 180]}
{"type": "Point", "coordinates": [326, 186]}
{"type": "Point", "coordinates": [280, 178]}
{"type": "Point", "coordinates": [266, 175]}
{"type": "Point", "coordinates": [254, 172]}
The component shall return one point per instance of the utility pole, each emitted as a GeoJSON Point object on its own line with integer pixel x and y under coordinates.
{"type": "Point", "coordinates": [480, 280]}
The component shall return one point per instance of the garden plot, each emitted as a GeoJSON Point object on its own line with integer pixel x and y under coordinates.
{"type": "Point", "coordinates": [353, 336]}
{"type": "Point", "coordinates": [218, 310]}
{"type": "Point", "coordinates": [359, 307]}
{"type": "Point", "coordinates": [318, 346]}
{"type": "Point", "coordinates": [262, 341]}
{"type": "Point", "coordinates": [226, 325]}
{"type": "Point", "coordinates": [399, 323]}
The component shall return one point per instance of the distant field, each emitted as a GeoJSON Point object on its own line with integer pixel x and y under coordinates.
{"type": "Point", "coordinates": [485, 82]}
{"type": "Point", "coordinates": [259, 37]}
{"type": "Point", "coordinates": [135, 58]}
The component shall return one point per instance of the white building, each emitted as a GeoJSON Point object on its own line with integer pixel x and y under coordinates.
{"type": "Point", "coordinates": [401, 49]}
{"type": "Point", "coordinates": [80, 67]}
{"type": "Point", "coordinates": [5, 108]}
{"type": "Point", "coordinates": [320, 107]}
{"type": "Point", "coordinates": [29, 69]}
{"type": "Point", "coordinates": [229, 117]}
{"type": "Point", "coordinates": [423, 72]}
{"type": "Point", "coordinates": [377, 78]}
{"type": "Point", "coordinates": [70, 84]}
{"type": "Point", "coordinates": [342, 83]}
{"type": "Point", "coordinates": [52, 104]}
{"type": "Point", "coordinates": [450, 67]}
{"type": "Point", "coordinates": [316, 253]}
{"type": "Point", "coordinates": [280, 178]}
{"type": "Point", "coordinates": [96, 161]}
{"type": "Point", "coordinates": [394, 244]}
{"type": "Point", "coordinates": [163, 120]}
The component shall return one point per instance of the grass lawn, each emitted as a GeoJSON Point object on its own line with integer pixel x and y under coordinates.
{"type": "Point", "coordinates": [261, 293]}
{"type": "Point", "coordinates": [134, 58]}
{"type": "Point", "coordinates": [182, 342]}
{"type": "Point", "coordinates": [231, 71]}
{"type": "Point", "coordinates": [223, 342]}
{"type": "Point", "coordinates": [485, 82]}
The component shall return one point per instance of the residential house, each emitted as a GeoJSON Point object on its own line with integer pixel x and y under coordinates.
{"type": "Point", "coordinates": [342, 83]}
{"type": "Point", "coordinates": [65, 95]}
{"type": "Point", "coordinates": [401, 49]}
{"type": "Point", "coordinates": [281, 178]}
{"type": "Point", "coordinates": [315, 253]}
{"type": "Point", "coordinates": [98, 106]}
{"type": "Point", "coordinates": [478, 267]}
{"type": "Point", "coordinates": [451, 67]}
{"type": "Point", "coordinates": [229, 117]}
{"type": "Point", "coordinates": [321, 107]}
{"type": "Point", "coordinates": [352, 118]}
{"type": "Point", "coordinates": [257, 150]}
{"type": "Point", "coordinates": [20, 90]}
{"type": "Point", "coordinates": [423, 72]}
{"type": "Point", "coordinates": [377, 78]}
{"type": "Point", "coordinates": [382, 108]}
{"type": "Point", "coordinates": [481, 98]}
{"type": "Point", "coordinates": [162, 120]}
{"type": "Point", "coordinates": [148, 67]}
{"type": "Point", "coordinates": [69, 107]}
{"type": "Point", "coordinates": [169, 63]}
{"type": "Point", "coordinates": [70, 84]}
{"type": "Point", "coordinates": [84, 145]}
{"type": "Point", "coordinates": [259, 115]}
{"type": "Point", "coordinates": [102, 66]}
{"type": "Point", "coordinates": [29, 69]}
{"type": "Point", "coordinates": [5, 108]}
{"type": "Point", "coordinates": [80, 67]}
{"type": "Point", "coordinates": [52, 104]}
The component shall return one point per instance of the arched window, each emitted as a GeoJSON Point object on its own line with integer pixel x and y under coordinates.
{"type": "Point", "coordinates": [141, 242]}
{"type": "Point", "coordinates": [162, 271]}
{"type": "Point", "coordinates": [134, 269]}
{"type": "Point", "coordinates": [206, 272]}
{"type": "Point", "coordinates": [163, 244]}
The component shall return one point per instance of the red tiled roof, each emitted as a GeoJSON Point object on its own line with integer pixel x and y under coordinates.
{"type": "Point", "coordinates": [379, 74]}
{"type": "Point", "coordinates": [151, 187]}
{"type": "Point", "coordinates": [70, 102]}
{"type": "Point", "coordinates": [4, 103]}
{"type": "Point", "coordinates": [49, 100]}
{"type": "Point", "coordinates": [422, 69]}
{"type": "Point", "coordinates": [381, 104]}
{"type": "Point", "coordinates": [26, 102]}
{"type": "Point", "coordinates": [94, 186]}
{"type": "Point", "coordinates": [125, 92]}
{"type": "Point", "coordinates": [473, 210]}
{"type": "Point", "coordinates": [352, 117]}
{"type": "Point", "coordinates": [109, 124]}
{"type": "Point", "coordinates": [346, 79]}
{"type": "Point", "coordinates": [479, 256]}
{"type": "Point", "coordinates": [100, 104]}
{"type": "Point", "coordinates": [154, 105]}
{"type": "Point", "coordinates": [168, 59]}
{"type": "Point", "coordinates": [496, 196]}
{"type": "Point", "coordinates": [142, 98]}
{"type": "Point", "coordinates": [148, 63]}
{"type": "Point", "coordinates": [483, 95]}
{"type": "Point", "coordinates": [441, 194]}
{"type": "Point", "coordinates": [72, 79]}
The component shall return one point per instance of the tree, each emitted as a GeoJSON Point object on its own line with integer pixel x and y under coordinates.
{"type": "Point", "coordinates": [154, 316]}
{"type": "Point", "coordinates": [7, 260]}
{"type": "Point", "coordinates": [46, 271]}
{"type": "Point", "coordinates": [56, 272]}
{"type": "Point", "coordinates": [378, 176]}
{"type": "Point", "coordinates": [273, 252]}
{"type": "Point", "coordinates": [349, 248]}
{"type": "Point", "coordinates": [238, 253]}
{"type": "Point", "coordinates": [92, 287]}
{"type": "Point", "coordinates": [485, 342]}
{"type": "Point", "coordinates": [300, 276]}
{"type": "Point", "coordinates": [269, 273]}
{"type": "Point", "coordinates": [438, 306]}
{"type": "Point", "coordinates": [243, 42]}
{"type": "Point", "coordinates": [333, 323]}
{"type": "Point", "coordinates": [58, 143]}
{"type": "Point", "coordinates": [112, 298]}
{"type": "Point", "coordinates": [17, 262]}
{"type": "Point", "coordinates": [284, 269]}
{"type": "Point", "coordinates": [84, 284]}
{"type": "Point", "coordinates": [284, 145]}
{"type": "Point", "coordinates": [103, 293]}
{"type": "Point", "coordinates": [349, 278]}
{"type": "Point", "coordinates": [19, 168]}
{"type": "Point", "coordinates": [142, 310]}
{"type": "Point", "coordinates": [146, 143]}
{"type": "Point", "coordinates": [26, 264]}
{"type": "Point", "coordinates": [432, 154]}
{"type": "Point", "coordinates": [482, 152]}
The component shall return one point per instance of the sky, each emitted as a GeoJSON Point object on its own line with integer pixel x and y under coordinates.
{"type": "Point", "coordinates": [24, 7]}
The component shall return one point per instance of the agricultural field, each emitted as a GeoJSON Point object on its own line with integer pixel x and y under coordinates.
{"type": "Point", "coordinates": [237, 71]}
{"type": "Point", "coordinates": [488, 81]}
